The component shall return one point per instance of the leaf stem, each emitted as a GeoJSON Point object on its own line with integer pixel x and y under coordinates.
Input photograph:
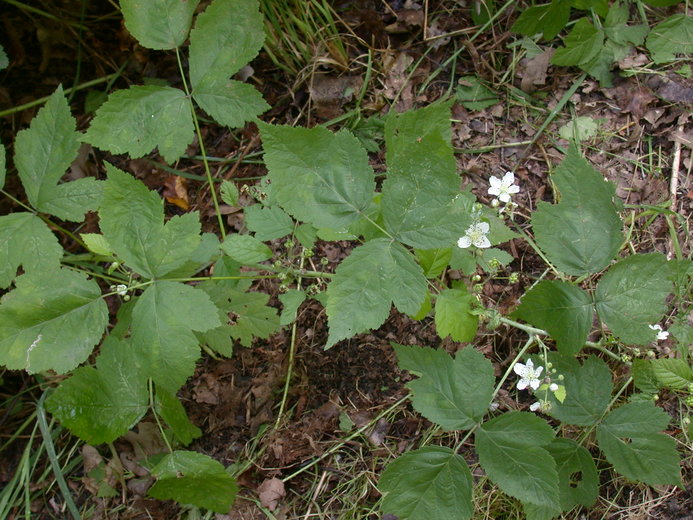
{"type": "Point", "coordinates": [152, 405]}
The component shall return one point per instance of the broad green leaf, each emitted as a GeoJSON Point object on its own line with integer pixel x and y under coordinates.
{"type": "Point", "coordinates": [227, 35]}
{"type": "Point", "coordinates": [367, 283]}
{"type": "Point", "coordinates": [617, 30]}
{"type": "Point", "coordinates": [582, 233]}
{"type": "Point", "coordinates": [643, 376]}
{"type": "Point", "coordinates": [26, 240]}
{"type": "Point", "coordinates": [578, 480]}
{"type": "Point", "coordinates": [511, 451]}
{"type": "Point", "coordinates": [2, 164]}
{"type": "Point", "coordinates": [580, 128]}
{"type": "Point", "coordinates": [535, 512]}
{"type": "Point", "coordinates": [43, 152]}
{"type": "Point", "coordinates": [159, 24]}
{"type": "Point", "coordinates": [246, 249]}
{"type": "Point", "coordinates": [4, 61]}
{"type": "Point", "coordinates": [492, 255]}
{"type": "Point", "coordinates": [433, 261]}
{"type": "Point", "coordinates": [601, 7]}
{"type": "Point", "coordinates": [306, 234]}
{"type": "Point", "coordinates": [96, 243]}
{"type": "Point", "coordinates": [629, 438]}
{"type": "Point", "coordinates": [138, 119]}
{"type": "Point", "coordinates": [101, 404]}
{"type": "Point", "coordinates": [206, 253]}
{"type": "Point", "coordinates": [229, 193]}
{"type": "Point", "coordinates": [546, 19]}
{"type": "Point", "coordinates": [268, 223]}
{"type": "Point", "coordinates": [672, 373]}
{"type": "Point", "coordinates": [631, 295]}
{"type": "Point", "coordinates": [588, 392]}
{"type": "Point", "coordinates": [317, 176]}
{"type": "Point", "coordinates": [189, 477]}
{"type": "Point", "coordinates": [431, 482]}
{"type": "Point", "coordinates": [230, 102]}
{"type": "Point", "coordinates": [171, 410]}
{"type": "Point", "coordinates": [421, 201]}
{"type": "Point", "coordinates": [132, 221]}
{"type": "Point", "coordinates": [51, 321]}
{"type": "Point", "coordinates": [291, 300]}
{"type": "Point", "coordinates": [162, 323]}
{"type": "Point", "coordinates": [472, 94]}
{"type": "Point", "coordinates": [671, 37]}
{"type": "Point", "coordinates": [581, 45]}
{"type": "Point", "coordinates": [453, 316]}
{"type": "Point", "coordinates": [424, 309]}
{"type": "Point", "coordinates": [454, 394]}
{"type": "Point", "coordinates": [560, 308]}
{"type": "Point", "coordinates": [463, 259]}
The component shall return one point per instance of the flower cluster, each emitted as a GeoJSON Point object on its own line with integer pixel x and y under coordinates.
{"type": "Point", "coordinates": [530, 376]}
{"type": "Point", "coordinates": [475, 234]}
{"type": "Point", "coordinates": [503, 188]}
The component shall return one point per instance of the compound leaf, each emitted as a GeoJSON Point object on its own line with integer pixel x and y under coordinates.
{"type": "Point", "coordinates": [138, 119]}
{"type": "Point", "coordinates": [189, 477]}
{"type": "Point", "coordinates": [629, 438]}
{"type": "Point", "coordinates": [453, 316]}
{"type": "Point", "coordinates": [581, 45]}
{"type": "Point", "coordinates": [546, 19]}
{"type": "Point", "coordinates": [101, 404]}
{"type": "Point", "coordinates": [578, 480]}
{"type": "Point", "coordinates": [455, 394]}
{"type": "Point", "coordinates": [268, 223]}
{"type": "Point", "coordinates": [672, 373]}
{"type": "Point", "coordinates": [631, 295]}
{"type": "Point", "coordinates": [171, 410]}
{"type": "Point", "coordinates": [671, 37]}
{"type": "Point", "coordinates": [42, 154]}
{"type": "Point", "coordinates": [431, 482]}
{"type": "Point", "coordinates": [365, 285]}
{"type": "Point", "coordinates": [230, 102]}
{"type": "Point", "coordinates": [159, 24]}
{"type": "Point", "coordinates": [50, 321]}
{"type": "Point", "coordinates": [588, 392]}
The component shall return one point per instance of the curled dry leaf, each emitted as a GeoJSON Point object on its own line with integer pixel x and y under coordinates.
{"type": "Point", "coordinates": [271, 491]}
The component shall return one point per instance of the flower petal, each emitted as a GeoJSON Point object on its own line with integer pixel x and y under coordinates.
{"type": "Point", "coordinates": [482, 242]}
{"type": "Point", "coordinates": [483, 227]}
{"type": "Point", "coordinates": [520, 369]}
{"type": "Point", "coordinates": [535, 406]}
{"type": "Point", "coordinates": [464, 242]}
{"type": "Point", "coordinates": [522, 384]}
{"type": "Point", "coordinates": [534, 383]}
{"type": "Point", "coordinates": [508, 178]}
{"type": "Point", "coordinates": [504, 197]}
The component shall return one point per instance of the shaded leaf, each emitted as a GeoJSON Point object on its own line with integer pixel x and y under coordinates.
{"type": "Point", "coordinates": [171, 410]}
{"type": "Point", "coordinates": [581, 45]}
{"type": "Point", "coordinates": [578, 480]}
{"type": "Point", "coordinates": [246, 249]}
{"type": "Point", "coordinates": [546, 19]}
{"type": "Point", "coordinates": [672, 373]}
{"type": "Point", "coordinates": [268, 223]}
{"type": "Point", "coordinates": [453, 316]}
{"type": "Point", "coordinates": [433, 261]}
{"type": "Point", "coordinates": [671, 37]}
{"type": "Point", "coordinates": [230, 102]}
{"type": "Point", "coordinates": [588, 393]}
{"type": "Point", "coordinates": [291, 300]}
{"type": "Point", "coordinates": [158, 24]}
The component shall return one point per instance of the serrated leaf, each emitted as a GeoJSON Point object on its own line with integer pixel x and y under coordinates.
{"type": "Point", "coordinates": [588, 393]}
{"type": "Point", "coordinates": [581, 45]}
{"type": "Point", "coordinates": [453, 316]}
{"type": "Point", "coordinates": [431, 482]}
{"type": "Point", "coordinates": [268, 223]}
{"type": "Point", "coordinates": [511, 451]}
{"type": "Point", "coordinates": [493, 254]}
{"type": "Point", "coordinates": [159, 24]}
{"type": "Point", "coordinates": [229, 193]}
{"type": "Point", "coordinates": [367, 283]}
{"type": "Point", "coordinates": [560, 308]}
{"type": "Point", "coordinates": [171, 410]}
{"type": "Point", "coordinates": [26, 240]}
{"type": "Point", "coordinates": [143, 117]}
{"type": "Point", "coordinates": [582, 233]}
{"type": "Point", "coordinates": [230, 102]}
{"type": "Point", "coordinates": [291, 300]}
{"type": "Point", "coordinates": [671, 37]}
{"type": "Point", "coordinates": [43, 152]}
{"type": "Point", "coordinates": [578, 480]}
{"type": "Point", "coordinates": [317, 176]}
{"type": "Point", "coordinates": [472, 94]}
{"type": "Point", "coordinates": [672, 373]}
{"type": "Point", "coordinates": [433, 261]}
{"type": "Point", "coordinates": [631, 296]}
{"type": "Point", "coordinates": [101, 404]}
{"type": "Point", "coordinates": [193, 478]}
{"type": "Point", "coordinates": [535, 512]}
{"type": "Point", "coordinates": [454, 394]}
{"type": "Point", "coordinates": [643, 376]}
{"type": "Point", "coordinates": [51, 321]}
{"type": "Point", "coordinates": [617, 30]}
{"type": "Point", "coordinates": [546, 19]}
{"type": "Point", "coordinates": [97, 243]}
{"type": "Point", "coordinates": [629, 438]}
{"type": "Point", "coordinates": [306, 234]}
{"type": "Point", "coordinates": [132, 221]}
{"type": "Point", "coordinates": [162, 323]}
{"type": "Point", "coordinates": [246, 249]}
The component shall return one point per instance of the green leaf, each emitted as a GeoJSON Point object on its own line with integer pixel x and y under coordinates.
{"type": "Point", "coordinates": [229, 193]}
{"type": "Point", "coordinates": [171, 410]}
{"type": "Point", "coordinates": [455, 394]}
{"type": "Point", "coordinates": [546, 19]}
{"type": "Point", "coordinates": [317, 176]}
{"type": "Point", "coordinates": [582, 44]}
{"type": "Point", "coordinates": [268, 223]}
{"type": "Point", "coordinates": [96, 243]}
{"type": "Point", "coordinates": [473, 95]}
{"type": "Point", "coordinates": [511, 451]}
{"type": "Point", "coordinates": [42, 154]}
{"type": "Point", "coordinates": [463, 260]}
{"type": "Point", "coordinates": [2, 163]}
{"type": "Point", "coordinates": [101, 404]}
{"type": "Point", "coordinates": [246, 249]}
{"type": "Point", "coordinates": [629, 439]}
{"type": "Point", "coordinates": [433, 261]}
{"type": "Point", "coordinates": [493, 254]}
{"type": "Point", "coordinates": [578, 480]}
{"type": "Point", "coordinates": [159, 24]}
{"type": "Point", "coordinates": [4, 63]}
{"type": "Point", "coordinates": [230, 102]}
{"type": "Point", "coordinates": [560, 308]}
{"type": "Point", "coordinates": [601, 7]}
{"type": "Point", "coordinates": [421, 201]}
{"type": "Point", "coordinates": [617, 30]}
{"type": "Point", "coordinates": [579, 129]}
{"type": "Point", "coordinates": [582, 233]}
{"type": "Point", "coordinates": [631, 295]}
{"type": "Point", "coordinates": [193, 478]}
{"type": "Point", "coordinates": [671, 37]}
{"type": "Point", "coordinates": [365, 285]}
{"type": "Point", "coordinates": [138, 119]}
{"type": "Point", "coordinates": [51, 321]}
{"type": "Point", "coordinates": [162, 323]}
{"type": "Point", "coordinates": [643, 376]}
{"type": "Point", "coordinates": [431, 482]}
{"type": "Point", "coordinates": [291, 300]}
{"type": "Point", "coordinates": [672, 373]}
{"type": "Point", "coordinates": [306, 234]}
{"type": "Point", "coordinates": [132, 221]}
{"type": "Point", "coordinates": [26, 240]}
{"type": "Point", "coordinates": [453, 316]}
{"type": "Point", "coordinates": [588, 393]}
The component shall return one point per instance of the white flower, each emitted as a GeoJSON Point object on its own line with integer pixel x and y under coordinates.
{"type": "Point", "coordinates": [475, 234]}
{"type": "Point", "coordinates": [535, 406]}
{"type": "Point", "coordinates": [120, 289]}
{"type": "Point", "coordinates": [529, 376]}
{"type": "Point", "coordinates": [503, 188]}
{"type": "Point", "coordinates": [661, 333]}
{"type": "Point", "coordinates": [553, 387]}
